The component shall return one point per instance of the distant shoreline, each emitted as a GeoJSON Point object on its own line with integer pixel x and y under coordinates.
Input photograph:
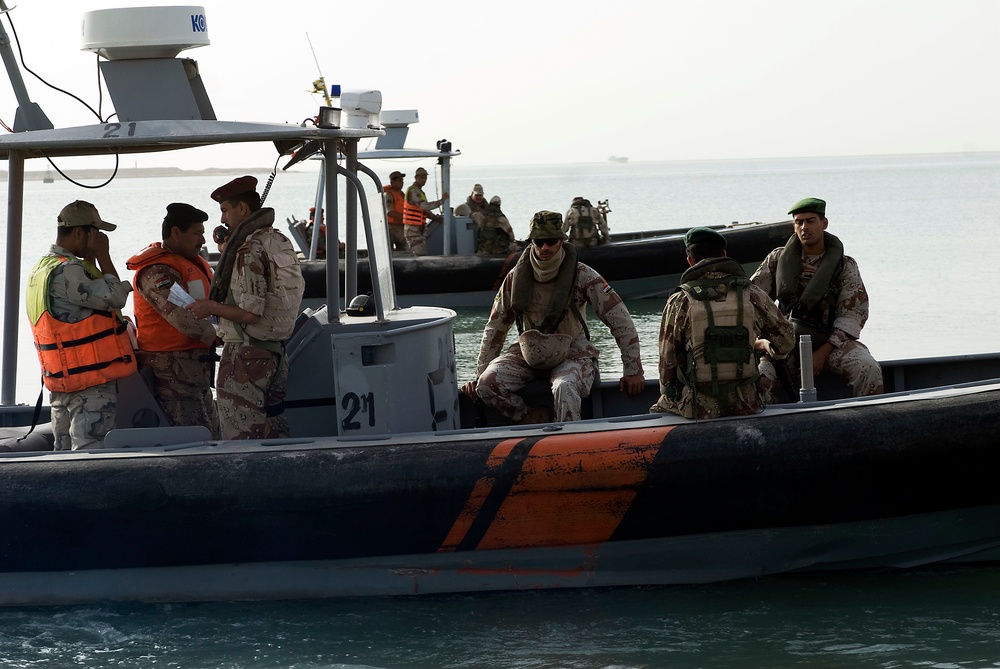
{"type": "Point", "coordinates": [136, 172]}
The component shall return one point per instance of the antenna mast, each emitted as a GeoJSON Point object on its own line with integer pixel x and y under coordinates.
{"type": "Point", "coordinates": [319, 86]}
{"type": "Point", "coordinates": [29, 115]}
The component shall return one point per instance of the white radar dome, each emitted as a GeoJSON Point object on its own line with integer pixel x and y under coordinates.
{"type": "Point", "coordinates": [144, 32]}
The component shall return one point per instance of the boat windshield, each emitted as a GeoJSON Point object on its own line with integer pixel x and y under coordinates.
{"type": "Point", "coordinates": [379, 245]}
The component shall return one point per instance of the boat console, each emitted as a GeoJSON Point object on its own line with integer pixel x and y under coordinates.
{"type": "Point", "coordinates": [364, 376]}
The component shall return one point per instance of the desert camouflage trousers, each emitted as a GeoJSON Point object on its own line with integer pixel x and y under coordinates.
{"type": "Point", "coordinates": [251, 390]}
{"type": "Point", "coordinates": [571, 382]}
{"type": "Point", "coordinates": [81, 419]}
{"type": "Point", "coordinates": [416, 239]}
{"type": "Point", "coordinates": [182, 385]}
{"type": "Point", "coordinates": [734, 400]}
{"type": "Point", "coordinates": [397, 237]}
{"type": "Point", "coordinates": [852, 361]}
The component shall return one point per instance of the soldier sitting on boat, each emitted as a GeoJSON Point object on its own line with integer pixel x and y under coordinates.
{"type": "Point", "coordinates": [493, 232]}
{"type": "Point", "coordinates": [819, 288]}
{"type": "Point", "coordinates": [474, 203]}
{"type": "Point", "coordinates": [546, 297]}
{"type": "Point", "coordinates": [712, 327]}
{"type": "Point", "coordinates": [585, 224]}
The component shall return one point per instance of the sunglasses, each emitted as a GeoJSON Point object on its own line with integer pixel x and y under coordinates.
{"type": "Point", "coordinates": [551, 241]}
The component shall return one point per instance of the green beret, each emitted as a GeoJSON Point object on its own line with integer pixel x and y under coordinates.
{"type": "Point", "coordinates": [812, 205]}
{"type": "Point", "coordinates": [704, 236]}
{"type": "Point", "coordinates": [546, 225]}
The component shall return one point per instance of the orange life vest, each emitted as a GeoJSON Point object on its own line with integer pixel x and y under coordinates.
{"type": "Point", "coordinates": [398, 201]}
{"type": "Point", "coordinates": [412, 213]}
{"type": "Point", "coordinates": [155, 333]}
{"type": "Point", "coordinates": [75, 356]}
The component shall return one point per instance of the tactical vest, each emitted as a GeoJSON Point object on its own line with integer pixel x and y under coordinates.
{"type": "Point", "coordinates": [584, 227]}
{"type": "Point", "coordinates": [805, 306]}
{"type": "Point", "coordinates": [285, 288]}
{"type": "Point", "coordinates": [720, 347]}
{"type": "Point", "coordinates": [490, 237]}
{"type": "Point", "coordinates": [80, 355]}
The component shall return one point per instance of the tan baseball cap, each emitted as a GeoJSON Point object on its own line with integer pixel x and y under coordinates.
{"type": "Point", "coordinates": [80, 214]}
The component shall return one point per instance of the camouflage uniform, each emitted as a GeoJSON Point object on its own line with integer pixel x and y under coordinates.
{"type": "Point", "coordinates": [182, 380]}
{"type": "Point", "coordinates": [251, 389]}
{"type": "Point", "coordinates": [469, 207]}
{"type": "Point", "coordinates": [397, 237]}
{"type": "Point", "coordinates": [415, 233]}
{"type": "Point", "coordinates": [494, 234]}
{"type": "Point", "coordinates": [850, 358]}
{"type": "Point", "coordinates": [253, 371]}
{"type": "Point", "coordinates": [675, 333]}
{"type": "Point", "coordinates": [585, 235]}
{"type": "Point", "coordinates": [501, 375]}
{"type": "Point", "coordinates": [81, 419]}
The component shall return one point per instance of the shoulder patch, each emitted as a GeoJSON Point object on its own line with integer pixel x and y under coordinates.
{"type": "Point", "coordinates": [607, 289]}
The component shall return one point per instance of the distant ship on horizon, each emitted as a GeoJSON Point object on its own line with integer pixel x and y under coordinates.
{"type": "Point", "coordinates": [617, 159]}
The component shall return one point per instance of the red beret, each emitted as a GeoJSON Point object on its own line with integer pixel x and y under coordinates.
{"type": "Point", "coordinates": [235, 187]}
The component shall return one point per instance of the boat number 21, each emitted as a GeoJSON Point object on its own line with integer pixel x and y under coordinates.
{"type": "Point", "coordinates": [111, 130]}
{"type": "Point", "coordinates": [354, 404]}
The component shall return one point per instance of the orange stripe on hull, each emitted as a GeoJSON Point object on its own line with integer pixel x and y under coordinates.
{"type": "Point", "coordinates": [479, 494]}
{"type": "Point", "coordinates": [572, 489]}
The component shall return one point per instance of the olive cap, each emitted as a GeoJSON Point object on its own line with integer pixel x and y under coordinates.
{"type": "Point", "coordinates": [704, 235]}
{"type": "Point", "coordinates": [809, 205]}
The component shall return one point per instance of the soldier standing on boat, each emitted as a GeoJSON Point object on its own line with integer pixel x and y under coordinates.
{"type": "Point", "coordinates": [821, 292]}
{"type": "Point", "coordinates": [546, 297]}
{"type": "Point", "coordinates": [256, 293]}
{"type": "Point", "coordinates": [711, 329]}
{"type": "Point", "coordinates": [395, 202]}
{"type": "Point", "coordinates": [177, 348]}
{"type": "Point", "coordinates": [585, 224]}
{"type": "Point", "coordinates": [82, 340]}
{"type": "Point", "coordinates": [493, 232]}
{"type": "Point", "coordinates": [416, 210]}
{"type": "Point", "coordinates": [475, 202]}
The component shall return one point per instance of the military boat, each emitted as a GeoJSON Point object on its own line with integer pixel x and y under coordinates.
{"type": "Point", "coordinates": [392, 483]}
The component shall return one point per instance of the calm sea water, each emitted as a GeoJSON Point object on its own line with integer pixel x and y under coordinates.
{"type": "Point", "coordinates": [925, 232]}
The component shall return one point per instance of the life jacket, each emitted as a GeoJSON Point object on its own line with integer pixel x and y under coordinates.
{"type": "Point", "coordinates": [806, 308]}
{"type": "Point", "coordinates": [413, 214]}
{"type": "Point", "coordinates": [584, 227]}
{"type": "Point", "coordinates": [561, 302]}
{"type": "Point", "coordinates": [286, 285]}
{"type": "Point", "coordinates": [155, 333]}
{"type": "Point", "coordinates": [720, 351]}
{"type": "Point", "coordinates": [398, 200]}
{"type": "Point", "coordinates": [80, 355]}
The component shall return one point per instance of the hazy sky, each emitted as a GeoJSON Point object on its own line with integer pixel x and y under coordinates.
{"type": "Point", "coordinates": [555, 82]}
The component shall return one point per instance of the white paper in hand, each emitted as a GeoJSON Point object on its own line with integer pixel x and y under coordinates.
{"type": "Point", "coordinates": [179, 296]}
